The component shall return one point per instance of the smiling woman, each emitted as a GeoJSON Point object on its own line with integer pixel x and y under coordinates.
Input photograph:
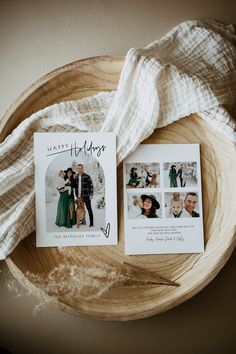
{"type": "Point", "coordinates": [150, 205]}
{"type": "Point", "coordinates": [143, 206]}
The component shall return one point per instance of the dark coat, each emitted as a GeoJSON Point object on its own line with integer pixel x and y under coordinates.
{"type": "Point", "coordinates": [87, 185]}
{"type": "Point", "coordinates": [195, 214]}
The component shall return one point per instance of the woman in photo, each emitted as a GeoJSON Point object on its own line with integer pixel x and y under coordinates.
{"type": "Point", "coordinates": [71, 215]}
{"type": "Point", "coordinates": [149, 206]}
{"type": "Point", "coordinates": [63, 200]}
{"type": "Point", "coordinates": [66, 205]}
{"type": "Point", "coordinates": [133, 181]}
{"type": "Point", "coordinates": [173, 176]}
{"type": "Point", "coordinates": [61, 182]}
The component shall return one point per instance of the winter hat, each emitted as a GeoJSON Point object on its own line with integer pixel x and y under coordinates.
{"type": "Point", "coordinates": [153, 198]}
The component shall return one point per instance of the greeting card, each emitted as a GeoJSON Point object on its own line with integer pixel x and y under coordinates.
{"type": "Point", "coordinates": [75, 189]}
{"type": "Point", "coordinates": [163, 200]}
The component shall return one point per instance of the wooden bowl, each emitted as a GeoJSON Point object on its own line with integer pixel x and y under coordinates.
{"type": "Point", "coordinates": [193, 271]}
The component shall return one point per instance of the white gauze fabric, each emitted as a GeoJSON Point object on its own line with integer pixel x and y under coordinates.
{"type": "Point", "coordinates": [192, 69]}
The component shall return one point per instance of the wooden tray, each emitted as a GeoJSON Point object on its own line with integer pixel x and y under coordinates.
{"type": "Point", "coordinates": [193, 271]}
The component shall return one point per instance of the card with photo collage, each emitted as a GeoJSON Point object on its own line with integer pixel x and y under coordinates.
{"type": "Point", "coordinates": [163, 200]}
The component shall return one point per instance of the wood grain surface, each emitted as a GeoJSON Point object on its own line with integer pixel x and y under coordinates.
{"type": "Point", "coordinates": [192, 271]}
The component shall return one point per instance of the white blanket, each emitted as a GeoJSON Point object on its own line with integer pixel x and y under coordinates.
{"type": "Point", "coordinates": [192, 69]}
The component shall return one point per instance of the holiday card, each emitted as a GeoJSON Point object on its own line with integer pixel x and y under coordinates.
{"type": "Point", "coordinates": [75, 189]}
{"type": "Point", "coordinates": [163, 200]}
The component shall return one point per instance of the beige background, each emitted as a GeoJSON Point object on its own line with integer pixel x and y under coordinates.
{"type": "Point", "coordinates": [35, 38]}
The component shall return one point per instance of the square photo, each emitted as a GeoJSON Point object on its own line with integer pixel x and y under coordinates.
{"type": "Point", "coordinates": [180, 174]}
{"type": "Point", "coordinates": [182, 205]}
{"type": "Point", "coordinates": [143, 206]}
{"type": "Point", "coordinates": [142, 175]}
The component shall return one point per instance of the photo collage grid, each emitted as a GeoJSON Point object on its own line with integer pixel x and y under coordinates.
{"type": "Point", "coordinates": [162, 189]}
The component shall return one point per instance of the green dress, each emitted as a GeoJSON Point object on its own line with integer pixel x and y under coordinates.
{"type": "Point", "coordinates": [71, 201]}
{"type": "Point", "coordinates": [63, 209]}
{"type": "Point", "coordinates": [133, 181]}
{"type": "Point", "coordinates": [173, 179]}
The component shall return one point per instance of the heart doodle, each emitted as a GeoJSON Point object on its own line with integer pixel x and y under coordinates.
{"type": "Point", "coordinates": [107, 230]}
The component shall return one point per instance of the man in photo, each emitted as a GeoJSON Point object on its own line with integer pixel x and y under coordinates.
{"type": "Point", "coordinates": [190, 203]}
{"type": "Point", "coordinates": [84, 189]}
{"type": "Point", "coordinates": [148, 175]}
{"type": "Point", "coordinates": [181, 176]}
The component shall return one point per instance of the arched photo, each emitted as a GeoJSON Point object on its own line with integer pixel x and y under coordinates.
{"type": "Point", "coordinates": [142, 175]}
{"type": "Point", "coordinates": [74, 194]}
{"type": "Point", "coordinates": [180, 174]}
{"type": "Point", "coordinates": [144, 205]}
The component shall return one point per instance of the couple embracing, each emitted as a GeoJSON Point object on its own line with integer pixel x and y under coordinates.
{"type": "Point", "coordinates": [72, 186]}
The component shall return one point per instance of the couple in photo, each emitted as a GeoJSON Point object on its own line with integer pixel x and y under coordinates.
{"type": "Point", "coordinates": [173, 174]}
{"type": "Point", "coordinates": [143, 179]}
{"type": "Point", "coordinates": [76, 189]}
